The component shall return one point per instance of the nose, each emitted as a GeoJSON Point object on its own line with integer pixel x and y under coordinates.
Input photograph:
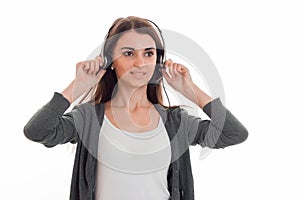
{"type": "Point", "coordinates": [139, 60]}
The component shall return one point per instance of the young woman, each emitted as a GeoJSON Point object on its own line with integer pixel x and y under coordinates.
{"type": "Point", "coordinates": [130, 145]}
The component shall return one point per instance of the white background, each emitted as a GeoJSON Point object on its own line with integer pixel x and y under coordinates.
{"type": "Point", "coordinates": [254, 44]}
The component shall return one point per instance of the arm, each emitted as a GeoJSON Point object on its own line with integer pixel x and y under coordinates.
{"type": "Point", "coordinates": [223, 130]}
{"type": "Point", "coordinates": [50, 126]}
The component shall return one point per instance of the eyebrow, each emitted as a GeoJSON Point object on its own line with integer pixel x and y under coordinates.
{"type": "Point", "coordinates": [130, 48]}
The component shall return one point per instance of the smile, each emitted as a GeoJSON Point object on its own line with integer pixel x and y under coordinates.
{"type": "Point", "coordinates": [138, 74]}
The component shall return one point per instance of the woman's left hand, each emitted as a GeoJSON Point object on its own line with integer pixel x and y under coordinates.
{"type": "Point", "coordinates": [179, 76]}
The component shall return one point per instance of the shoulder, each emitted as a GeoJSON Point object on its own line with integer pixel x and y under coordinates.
{"type": "Point", "coordinates": [85, 109]}
{"type": "Point", "coordinates": [172, 111]}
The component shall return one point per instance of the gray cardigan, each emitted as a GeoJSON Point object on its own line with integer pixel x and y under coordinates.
{"type": "Point", "coordinates": [50, 126]}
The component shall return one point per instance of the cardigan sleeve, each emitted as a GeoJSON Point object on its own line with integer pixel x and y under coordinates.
{"type": "Point", "coordinates": [222, 130]}
{"type": "Point", "coordinates": [50, 126]}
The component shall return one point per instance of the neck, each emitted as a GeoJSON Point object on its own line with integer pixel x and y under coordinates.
{"type": "Point", "coordinates": [131, 98]}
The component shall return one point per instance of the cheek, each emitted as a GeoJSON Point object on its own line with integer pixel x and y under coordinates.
{"type": "Point", "coordinates": [121, 72]}
{"type": "Point", "coordinates": [152, 66]}
{"type": "Point", "coordinates": [121, 67]}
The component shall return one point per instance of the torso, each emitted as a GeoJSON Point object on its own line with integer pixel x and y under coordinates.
{"type": "Point", "coordinates": [145, 119]}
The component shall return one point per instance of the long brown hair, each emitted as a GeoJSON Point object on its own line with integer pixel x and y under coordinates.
{"type": "Point", "coordinates": [107, 86]}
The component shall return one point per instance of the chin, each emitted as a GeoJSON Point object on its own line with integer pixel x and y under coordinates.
{"type": "Point", "coordinates": [139, 85]}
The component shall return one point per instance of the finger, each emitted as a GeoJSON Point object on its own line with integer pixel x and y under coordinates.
{"type": "Point", "coordinates": [183, 69]}
{"type": "Point", "coordinates": [97, 65]}
{"type": "Point", "coordinates": [166, 63]}
{"type": "Point", "coordinates": [175, 69]}
{"type": "Point", "coordinates": [79, 68]}
{"type": "Point", "coordinates": [100, 60]}
{"type": "Point", "coordinates": [171, 69]}
{"type": "Point", "coordinates": [92, 67]}
{"type": "Point", "coordinates": [100, 74]}
{"type": "Point", "coordinates": [79, 65]}
{"type": "Point", "coordinates": [166, 75]}
{"type": "Point", "coordinates": [86, 66]}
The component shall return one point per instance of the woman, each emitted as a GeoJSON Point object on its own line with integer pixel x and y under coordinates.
{"type": "Point", "coordinates": [129, 145]}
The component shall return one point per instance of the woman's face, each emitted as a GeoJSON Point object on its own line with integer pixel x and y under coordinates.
{"type": "Point", "coordinates": [134, 58]}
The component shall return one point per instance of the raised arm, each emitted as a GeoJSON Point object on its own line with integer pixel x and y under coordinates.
{"type": "Point", "coordinates": [50, 126]}
{"type": "Point", "coordinates": [222, 130]}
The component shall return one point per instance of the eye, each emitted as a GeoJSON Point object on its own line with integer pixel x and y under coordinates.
{"type": "Point", "coordinates": [149, 53]}
{"type": "Point", "coordinates": [128, 53]}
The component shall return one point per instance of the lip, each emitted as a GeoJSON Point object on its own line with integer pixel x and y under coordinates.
{"type": "Point", "coordinates": [138, 74]}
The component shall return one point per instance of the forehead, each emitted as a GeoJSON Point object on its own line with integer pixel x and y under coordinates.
{"type": "Point", "coordinates": [135, 40]}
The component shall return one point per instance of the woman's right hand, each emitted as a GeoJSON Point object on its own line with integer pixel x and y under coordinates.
{"type": "Point", "coordinates": [86, 74]}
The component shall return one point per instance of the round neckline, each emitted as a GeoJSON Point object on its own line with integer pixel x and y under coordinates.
{"type": "Point", "coordinates": [143, 134]}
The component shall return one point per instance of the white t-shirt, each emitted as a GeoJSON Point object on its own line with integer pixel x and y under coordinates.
{"type": "Point", "coordinates": [132, 165]}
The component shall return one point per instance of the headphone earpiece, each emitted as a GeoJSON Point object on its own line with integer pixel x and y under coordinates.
{"type": "Point", "coordinates": [106, 61]}
{"type": "Point", "coordinates": [157, 77]}
{"type": "Point", "coordinates": [103, 56]}
{"type": "Point", "coordinates": [104, 65]}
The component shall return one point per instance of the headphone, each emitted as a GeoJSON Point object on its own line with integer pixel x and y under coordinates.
{"type": "Point", "coordinates": [157, 75]}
